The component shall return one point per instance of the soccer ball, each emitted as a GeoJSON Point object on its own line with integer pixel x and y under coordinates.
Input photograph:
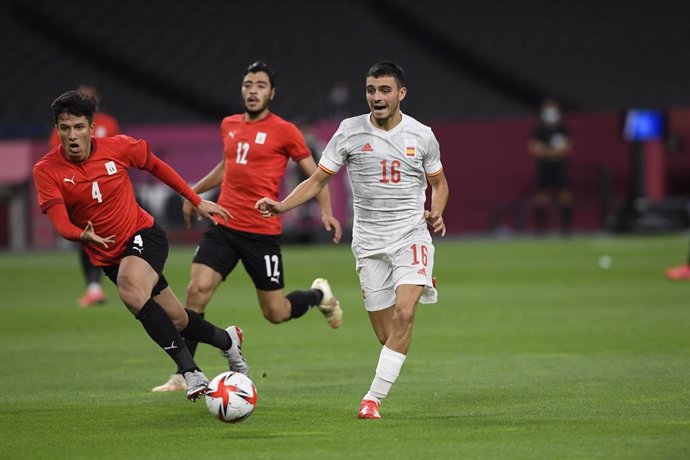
{"type": "Point", "coordinates": [231, 397]}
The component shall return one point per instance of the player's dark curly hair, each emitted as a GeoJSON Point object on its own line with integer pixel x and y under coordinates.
{"type": "Point", "coordinates": [387, 69]}
{"type": "Point", "coordinates": [261, 66]}
{"type": "Point", "coordinates": [74, 103]}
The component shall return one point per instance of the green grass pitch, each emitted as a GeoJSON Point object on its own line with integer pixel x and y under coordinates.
{"type": "Point", "coordinates": [533, 351]}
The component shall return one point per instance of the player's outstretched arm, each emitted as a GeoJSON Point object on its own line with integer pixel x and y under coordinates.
{"type": "Point", "coordinates": [60, 220]}
{"type": "Point", "coordinates": [439, 199]}
{"type": "Point", "coordinates": [304, 192]}
{"type": "Point", "coordinates": [308, 166]}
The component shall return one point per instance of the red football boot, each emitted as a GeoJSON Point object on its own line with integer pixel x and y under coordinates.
{"type": "Point", "coordinates": [369, 409]}
{"type": "Point", "coordinates": [680, 273]}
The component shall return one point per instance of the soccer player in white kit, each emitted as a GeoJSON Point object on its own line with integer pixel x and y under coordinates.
{"type": "Point", "coordinates": [390, 157]}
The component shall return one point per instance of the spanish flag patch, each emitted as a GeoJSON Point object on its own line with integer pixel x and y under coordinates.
{"type": "Point", "coordinates": [410, 147]}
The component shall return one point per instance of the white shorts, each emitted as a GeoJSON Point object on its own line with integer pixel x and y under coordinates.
{"type": "Point", "coordinates": [380, 274]}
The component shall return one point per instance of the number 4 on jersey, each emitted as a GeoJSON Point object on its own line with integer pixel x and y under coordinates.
{"type": "Point", "coordinates": [96, 192]}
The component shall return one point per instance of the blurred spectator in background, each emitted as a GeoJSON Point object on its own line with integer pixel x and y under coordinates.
{"type": "Point", "coordinates": [550, 144]}
{"type": "Point", "coordinates": [105, 125]}
{"type": "Point", "coordinates": [338, 100]}
{"type": "Point", "coordinates": [304, 224]}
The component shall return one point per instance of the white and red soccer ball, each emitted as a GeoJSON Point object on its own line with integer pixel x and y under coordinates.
{"type": "Point", "coordinates": [231, 397]}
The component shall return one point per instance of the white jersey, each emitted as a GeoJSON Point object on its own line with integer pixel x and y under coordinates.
{"type": "Point", "coordinates": [387, 171]}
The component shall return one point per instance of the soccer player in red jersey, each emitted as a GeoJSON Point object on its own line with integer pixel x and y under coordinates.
{"type": "Point", "coordinates": [105, 125]}
{"type": "Point", "coordinates": [257, 146]}
{"type": "Point", "coordinates": [84, 187]}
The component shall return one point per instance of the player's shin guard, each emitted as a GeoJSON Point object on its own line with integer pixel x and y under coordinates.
{"type": "Point", "coordinates": [302, 301]}
{"type": "Point", "coordinates": [161, 329]}
{"type": "Point", "coordinates": [200, 330]}
{"type": "Point", "coordinates": [387, 371]}
{"type": "Point", "coordinates": [191, 343]}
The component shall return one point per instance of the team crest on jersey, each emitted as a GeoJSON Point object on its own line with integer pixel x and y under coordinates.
{"type": "Point", "coordinates": [410, 148]}
{"type": "Point", "coordinates": [260, 138]}
{"type": "Point", "coordinates": [110, 168]}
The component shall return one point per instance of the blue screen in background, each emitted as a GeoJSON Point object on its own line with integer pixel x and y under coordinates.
{"type": "Point", "coordinates": [643, 125]}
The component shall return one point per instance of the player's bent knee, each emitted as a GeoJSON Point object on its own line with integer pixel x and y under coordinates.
{"type": "Point", "coordinates": [404, 316]}
{"type": "Point", "coordinates": [275, 316]}
{"type": "Point", "coordinates": [179, 321]}
{"type": "Point", "coordinates": [199, 294]}
{"type": "Point", "coordinates": [132, 296]}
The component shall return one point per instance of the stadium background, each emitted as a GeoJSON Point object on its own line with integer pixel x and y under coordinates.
{"type": "Point", "coordinates": [476, 71]}
{"type": "Point", "coordinates": [536, 349]}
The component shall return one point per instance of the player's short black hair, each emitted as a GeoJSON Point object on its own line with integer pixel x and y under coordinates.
{"type": "Point", "coordinates": [74, 103]}
{"type": "Point", "coordinates": [387, 69]}
{"type": "Point", "coordinates": [261, 66]}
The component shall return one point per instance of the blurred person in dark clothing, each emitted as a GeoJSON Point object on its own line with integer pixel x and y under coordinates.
{"type": "Point", "coordinates": [550, 144]}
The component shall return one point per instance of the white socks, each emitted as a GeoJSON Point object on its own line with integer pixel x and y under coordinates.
{"type": "Point", "coordinates": [388, 369]}
{"type": "Point", "coordinates": [94, 287]}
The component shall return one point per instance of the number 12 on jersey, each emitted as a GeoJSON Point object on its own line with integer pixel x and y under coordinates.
{"type": "Point", "coordinates": [242, 150]}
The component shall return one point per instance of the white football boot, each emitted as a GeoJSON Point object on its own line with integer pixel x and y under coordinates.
{"type": "Point", "coordinates": [197, 384]}
{"type": "Point", "coordinates": [329, 306]}
{"type": "Point", "coordinates": [175, 383]}
{"type": "Point", "coordinates": [236, 360]}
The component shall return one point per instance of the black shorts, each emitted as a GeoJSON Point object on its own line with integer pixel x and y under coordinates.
{"type": "Point", "coordinates": [149, 244]}
{"type": "Point", "coordinates": [222, 247]}
{"type": "Point", "coordinates": [551, 175]}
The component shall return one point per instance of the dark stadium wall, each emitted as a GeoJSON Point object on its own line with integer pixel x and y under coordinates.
{"type": "Point", "coordinates": [486, 163]}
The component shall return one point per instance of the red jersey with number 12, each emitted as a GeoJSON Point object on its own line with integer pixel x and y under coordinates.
{"type": "Point", "coordinates": [97, 190]}
{"type": "Point", "coordinates": [256, 155]}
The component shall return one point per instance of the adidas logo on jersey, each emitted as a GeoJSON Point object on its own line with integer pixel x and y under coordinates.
{"type": "Point", "coordinates": [367, 148]}
{"type": "Point", "coordinates": [422, 271]}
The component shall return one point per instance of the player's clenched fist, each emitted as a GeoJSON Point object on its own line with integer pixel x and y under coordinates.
{"type": "Point", "coordinates": [268, 207]}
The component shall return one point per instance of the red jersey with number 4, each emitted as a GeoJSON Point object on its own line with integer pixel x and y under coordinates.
{"type": "Point", "coordinates": [97, 190]}
{"type": "Point", "coordinates": [256, 155]}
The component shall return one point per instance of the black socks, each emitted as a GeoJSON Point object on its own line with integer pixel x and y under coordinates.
{"type": "Point", "coordinates": [200, 330]}
{"type": "Point", "coordinates": [302, 301]}
{"type": "Point", "coordinates": [161, 329]}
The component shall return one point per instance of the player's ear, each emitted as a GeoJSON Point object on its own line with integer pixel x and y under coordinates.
{"type": "Point", "coordinates": [402, 93]}
{"type": "Point", "coordinates": [273, 93]}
